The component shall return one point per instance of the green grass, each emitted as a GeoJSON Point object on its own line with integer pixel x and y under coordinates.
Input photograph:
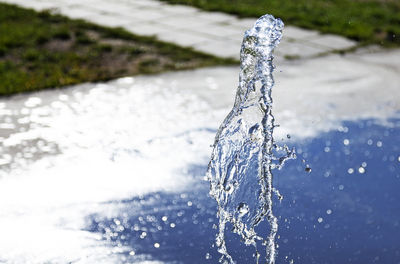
{"type": "Point", "coordinates": [367, 21]}
{"type": "Point", "coordinates": [41, 50]}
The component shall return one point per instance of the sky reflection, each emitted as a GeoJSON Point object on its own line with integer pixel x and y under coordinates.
{"type": "Point", "coordinates": [113, 173]}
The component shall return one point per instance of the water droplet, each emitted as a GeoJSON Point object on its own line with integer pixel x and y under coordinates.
{"type": "Point", "coordinates": [288, 136]}
{"type": "Point", "coordinates": [361, 170]}
{"type": "Point", "coordinates": [132, 253]}
{"type": "Point", "coordinates": [156, 245]}
{"type": "Point", "coordinates": [320, 220]}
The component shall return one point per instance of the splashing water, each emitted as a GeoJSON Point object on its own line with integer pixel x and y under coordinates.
{"type": "Point", "coordinates": [245, 153]}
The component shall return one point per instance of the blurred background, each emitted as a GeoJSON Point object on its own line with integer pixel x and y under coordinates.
{"type": "Point", "coordinates": [109, 108]}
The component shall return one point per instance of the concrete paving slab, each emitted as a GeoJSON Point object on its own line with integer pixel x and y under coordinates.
{"type": "Point", "coordinates": [299, 33]}
{"type": "Point", "coordinates": [217, 31]}
{"type": "Point", "coordinates": [149, 15]}
{"type": "Point", "coordinates": [300, 50]}
{"type": "Point", "coordinates": [220, 48]}
{"type": "Point", "coordinates": [79, 13]}
{"type": "Point", "coordinates": [111, 20]}
{"type": "Point", "coordinates": [179, 9]}
{"type": "Point", "coordinates": [148, 3]}
{"type": "Point", "coordinates": [236, 38]}
{"type": "Point", "coordinates": [145, 29]}
{"type": "Point", "coordinates": [215, 16]}
{"type": "Point", "coordinates": [108, 8]}
{"type": "Point", "coordinates": [243, 23]}
{"type": "Point", "coordinates": [182, 38]}
{"type": "Point", "coordinates": [333, 42]}
{"type": "Point", "coordinates": [187, 22]}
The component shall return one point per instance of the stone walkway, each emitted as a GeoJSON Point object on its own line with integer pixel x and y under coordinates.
{"type": "Point", "coordinates": [212, 32]}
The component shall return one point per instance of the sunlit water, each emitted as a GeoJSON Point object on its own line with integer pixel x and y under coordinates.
{"type": "Point", "coordinates": [114, 172]}
{"type": "Point", "coordinates": [245, 152]}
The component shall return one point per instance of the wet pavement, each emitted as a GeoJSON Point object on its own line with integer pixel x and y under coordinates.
{"type": "Point", "coordinates": [113, 172]}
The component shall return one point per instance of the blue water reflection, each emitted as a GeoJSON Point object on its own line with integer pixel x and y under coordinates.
{"type": "Point", "coordinates": [345, 211]}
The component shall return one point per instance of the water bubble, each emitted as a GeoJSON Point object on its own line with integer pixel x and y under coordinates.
{"type": "Point", "coordinates": [208, 256]}
{"type": "Point", "coordinates": [164, 218]}
{"type": "Point", "coordinates": [329, 211]}
{"type": "Point", "coordinates": [346, 142]}
{"type": "Point", "coordinates": [361, 170]}
{"type": "Point", "coordinates": [229, 188]}
{"type": "Point", "coordinates": [132, 253]}
{"type": "Point", "coordinates": [320, 220]}
{"type": "Point", "coordinates": [327, 149]}
{"type": "Point", "coordinates": [172, 225]}
{"type": "Point", "coordinates": [341, 187]}
{"type": "Point", "coordinates": [143, 235]}
{"type": "Point", "coordinates": [243, 209]}
{"type": "Point", "coordinates": [189, 203]}
{"type": "Point", "coordinates": [255, 132]}
{"type": "Point", "coordinates": [370, 142]}
{"type": "Point", "coordinates": [379, 144]}
{"type": "Point", "coordinates": [364, 164]}
{"type": "Point", "coordinates": [307, 169]}
{"type": "Point", "coordinates": [288, 136]}
{"type": "Point", "coordinates": [350, 171]}
{"type": "Point", "coordinates": [156, 245]}
{"type": "Point", "coordinates": [398, 158]}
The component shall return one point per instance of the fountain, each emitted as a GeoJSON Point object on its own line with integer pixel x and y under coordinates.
{"type": "Point", "coordinates": [245, 152]}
